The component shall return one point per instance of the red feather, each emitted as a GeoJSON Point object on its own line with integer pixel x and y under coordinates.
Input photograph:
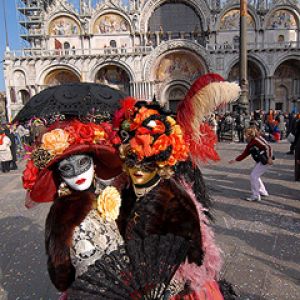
{"type": "Point", "coordinates": [128, 105]}
{"type": "Point", "coordinates": [204, 148]}
{"type": "Point", "coordinates": [118, 118]}
{"type": "Point", "coordinates": [126, 110]}
{"type": "Point", "coordinates": [185, 111]}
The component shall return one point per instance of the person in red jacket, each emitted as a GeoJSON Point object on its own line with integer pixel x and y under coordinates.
{"type": "Point", "coordinates": [261, 152]}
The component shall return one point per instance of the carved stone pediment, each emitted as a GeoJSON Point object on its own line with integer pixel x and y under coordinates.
{"type": "Point", "coordinates": [110, 4]}
{"type": "Point", "coordinates": [59, 6]}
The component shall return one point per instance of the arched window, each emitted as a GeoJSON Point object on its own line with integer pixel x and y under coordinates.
{"type": "Point", "coordinates": [115, 77]}
{"type": "Point", "coordinates": [176, 94]}
{"type": "Point", "coordinates": [67, 47]}
{"type": "Point", "coordinates": [113, 44]}
{"type": "Point", "coordinates": [280, 38]}
{"type": "Point", "coordinates": [236, 42]}
{"type": "Point", "coordinates": [60, 76]}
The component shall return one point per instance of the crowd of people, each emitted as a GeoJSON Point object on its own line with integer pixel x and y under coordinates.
{"type": "Point", "coordinates": [14, 139]}
{"type": "Point", "coordinates": [274, 125]}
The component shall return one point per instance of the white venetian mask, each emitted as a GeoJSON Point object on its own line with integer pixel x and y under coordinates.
{"type": "Point", "coordinates": [77, 171]}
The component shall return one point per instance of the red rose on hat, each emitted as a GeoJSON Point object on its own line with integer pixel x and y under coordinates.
{"type": "Point", "coordinates": [30, 175]}
{"type": "Point", "coordinates": [82, 133]}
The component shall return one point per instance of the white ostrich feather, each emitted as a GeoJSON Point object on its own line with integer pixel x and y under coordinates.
{"type": "Point", "coordinates": [209, 98]}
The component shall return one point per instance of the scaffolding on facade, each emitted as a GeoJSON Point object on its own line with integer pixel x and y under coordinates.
{"type": "Point", "coordinates": [31, 21]}
{"type": "Point", "coordinates": [30, 16]}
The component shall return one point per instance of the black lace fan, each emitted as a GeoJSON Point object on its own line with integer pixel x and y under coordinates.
{"type": "Point", "coordinates": [141, 269]}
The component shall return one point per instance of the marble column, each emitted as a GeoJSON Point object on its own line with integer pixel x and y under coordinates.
{"type": "Point", "coordinates": [157, 38]}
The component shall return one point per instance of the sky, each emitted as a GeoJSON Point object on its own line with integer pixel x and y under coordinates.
{"type": "Point", "coordinates": [13, 33]}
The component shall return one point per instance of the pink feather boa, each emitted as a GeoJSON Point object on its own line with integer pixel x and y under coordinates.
{"type": "Point", "coordinates": [209, 270]}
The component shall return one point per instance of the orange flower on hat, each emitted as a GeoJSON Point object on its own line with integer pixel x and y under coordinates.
{"type": "Point", "coordinates": [142, 115]}
{"type": "Point", "coordinates": [161, 144]}
{"type": "Point", "coordinates": [55, 141]}
{"type": "Point", "coordinates": [99, 133]}
{"type": "Point", "coordinates": [158, 127]}
{"type": "Point", "coordinates": [141, 145]}
{"type": "Point", "coordinates": [176, 130]}
{"type": "Point", "coordinates": [171, 120]}
{"type": "Point", "coordinates": [180, 148]}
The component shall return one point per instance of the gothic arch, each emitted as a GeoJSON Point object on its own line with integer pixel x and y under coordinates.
{"type": "Point", "coordinates": [104, 12]}
{"type": "Point", "coordinates": [174, 45]}
{"type": "Point", "coordinates": [254, 59]}
{"type": "Point", "coordinates": [282, 60]}
{"type": "Point", "coordinates": [49, 69]}
{"type": "Point", "coordinates": [290, 9]}
{"type": "Point", "coordinates": [200, 7]}
{"type": "Point", "coordinates": [256, 75]}
{"type": "Point", "coordinates": [17, 72]}
{"type": "Point", "coordinates": [113, 74]}
{"type": "Point", "coordinates": [227, 9]}
{"type": "Point", "coordinates": [180, 85]}
{"type": "Point", "coordinates": [105, 63]}
{"type": "Point", "coordinates": [61, 15]}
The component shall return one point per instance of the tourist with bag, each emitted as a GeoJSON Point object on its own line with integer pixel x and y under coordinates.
{"type": "Point", "coordinates": [261, 152]}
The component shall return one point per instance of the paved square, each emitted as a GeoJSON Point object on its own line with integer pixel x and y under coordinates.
{"type": "Point", "coordinates": [260, 240]}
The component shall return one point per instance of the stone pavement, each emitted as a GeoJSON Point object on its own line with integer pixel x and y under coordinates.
{"type": "Point", "coordinates": [260, 241]}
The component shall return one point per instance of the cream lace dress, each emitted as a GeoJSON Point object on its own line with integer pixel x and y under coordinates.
{"type": "Point", "coordinates": [93, 238]}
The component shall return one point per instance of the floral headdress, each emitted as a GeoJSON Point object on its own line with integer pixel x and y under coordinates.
{"type": "Point", "coordinates": [149, 134]}
{"type": "Point", "coordinates": [65, 138]}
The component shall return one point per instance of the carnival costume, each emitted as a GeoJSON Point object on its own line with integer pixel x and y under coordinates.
{"type": "Point", "coordinates": [79, 228]}
{"type": "Point", "coordinates": [167, 193]}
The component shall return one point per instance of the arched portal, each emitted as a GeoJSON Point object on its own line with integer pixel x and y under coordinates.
{"type": "Point", "coordinates": [287, 85]}
{"type": "Point", "coordinates": [60, 76]}
{"type": "Point", "coordinates": [174, 94]}
{"type": "Point", "coordinates": [255, 78]}
{"type": "Point", "coordinates": [174, 72]}
{"type": "Point", "coordinates": [114, 76]}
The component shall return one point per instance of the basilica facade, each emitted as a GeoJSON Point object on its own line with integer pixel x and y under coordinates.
{"type": "Point", "coordinates": [156, 47]}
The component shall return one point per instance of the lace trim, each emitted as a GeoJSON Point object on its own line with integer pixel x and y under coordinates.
{"type": "Point", "coordinates": [93, 238]}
